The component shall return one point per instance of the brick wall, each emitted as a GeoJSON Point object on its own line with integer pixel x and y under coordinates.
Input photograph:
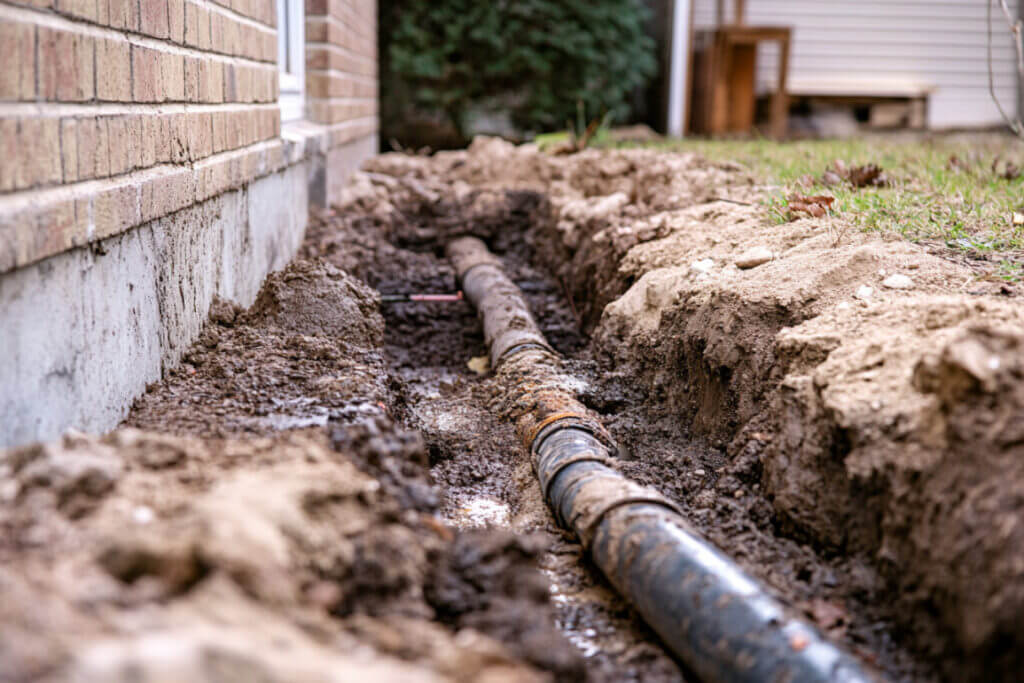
{"type": "Point", "coordinates": [116, 112]}
{"type": "Point", "coordinates": [144, 170]}
{"type": "Point", "coordinates": [341, 67]}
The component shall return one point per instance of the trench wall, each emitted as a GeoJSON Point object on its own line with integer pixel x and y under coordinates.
{"type": "Point", "coordinates": [144, 169]}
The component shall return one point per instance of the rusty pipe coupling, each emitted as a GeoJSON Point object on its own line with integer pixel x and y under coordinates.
{"type": "Point", "coordinates": [716, 619]}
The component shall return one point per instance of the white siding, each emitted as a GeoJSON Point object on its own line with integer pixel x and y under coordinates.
{"type": "Point", "coordinates": [940, 42]}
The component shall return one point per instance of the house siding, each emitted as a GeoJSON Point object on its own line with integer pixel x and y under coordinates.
{"type": "Point", "coordinates": [939, 42]}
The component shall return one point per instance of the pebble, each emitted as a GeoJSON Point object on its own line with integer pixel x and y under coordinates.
{"type": "Point", "coordinates": [703, 266]}
{"type": "Point", "coordinates": [898, 281]}
{"type": "Point", "coordinates": [699, 473]}
{"type": "Point", "coordinates": [752, 258]}
{"type": "Point", "coordinates": [142, 515]}
{"type": "Point", "coordinates": [843, 306]}
{"type": "Point", "coordinates": [738, 494]}
{"type": "Point", "coordinates": [864, 293]}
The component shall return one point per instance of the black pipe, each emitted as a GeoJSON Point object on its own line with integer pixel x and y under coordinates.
{"type": "Point", "coordinates": [715, 618]}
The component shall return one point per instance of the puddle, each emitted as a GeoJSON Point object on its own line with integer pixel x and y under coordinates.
{"type": "Point", "coordinates": [480, 512]}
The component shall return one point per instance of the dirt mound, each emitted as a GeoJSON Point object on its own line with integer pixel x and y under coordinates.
{"type": "Point", "coordinates": [281, 562]}
{"type": "Point", "coordinates": [312, 297]}
{"type": "Point", "coordinates": [306, 353]}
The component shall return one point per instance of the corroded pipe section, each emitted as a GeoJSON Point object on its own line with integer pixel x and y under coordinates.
{"type": "Point", "coordinates": [719, 621]}
{"type": "Point", "coordinates": [508, 323]}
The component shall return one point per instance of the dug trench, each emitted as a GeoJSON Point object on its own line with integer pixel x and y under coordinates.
{"type": "Point", "coordinates": [325, 487]}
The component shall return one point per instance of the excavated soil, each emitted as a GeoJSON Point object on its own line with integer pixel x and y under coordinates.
{"type": "Point", "coordinates": [324, 488]}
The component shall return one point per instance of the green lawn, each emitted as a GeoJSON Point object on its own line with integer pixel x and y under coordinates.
{"type": "Point", "coordinates": [961, 204]}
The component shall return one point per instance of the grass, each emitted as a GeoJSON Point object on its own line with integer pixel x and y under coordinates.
{"type": "Point", "coordinates": [962, 204]}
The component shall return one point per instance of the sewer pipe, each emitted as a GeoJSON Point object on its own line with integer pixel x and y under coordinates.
{"type": "Point", "coordinates": [715, 618]}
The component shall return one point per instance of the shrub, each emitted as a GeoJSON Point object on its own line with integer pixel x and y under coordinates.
{"type": "Point", "coordinates": [538, 60]}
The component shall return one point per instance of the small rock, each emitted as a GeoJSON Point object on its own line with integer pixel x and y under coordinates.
{"type": "Point", "coordinates": [142, 514]}
{"type": "Point", "coordinates": [864, 293]}
{"type": "Point", "coordinates": [479, 364]}
{"type": "Point", "coordinates": [898, 281]}
{"type": "Point", "coordinates": [843, 306]}
{"type": "Point", "coordinates": [737, 494]}
{"type": "Point", "coordinates": [752, 258]}
{"type": "Point", "coordinates": [699, 473]}
{"type": "Point", "coordinates": [703, 266]}
{"type": "Point", "coordinates": [1018, 218]}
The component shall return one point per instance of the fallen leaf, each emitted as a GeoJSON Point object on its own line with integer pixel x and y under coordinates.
{"type": "Point", "coordinates": [955, 163]}
{"type": "Point", "coordinates": [867, 175]}
{"type": "Point", "coordinates": [830, 178]}
{"type": "Point", "coordinates": [1009, 170]}
{"type": "Point", "coordinates": [479, 364]}
{"type": "Point", "coordinates": [816, 206]}
{"type": "Point", "coordinates": [806, 180]}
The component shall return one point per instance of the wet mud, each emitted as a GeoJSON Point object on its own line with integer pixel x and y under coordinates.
{"type": "Point", "coordinates": [326, 486]}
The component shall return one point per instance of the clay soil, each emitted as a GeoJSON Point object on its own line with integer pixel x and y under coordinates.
{"type": "Point", "coordinates": [324, 489]}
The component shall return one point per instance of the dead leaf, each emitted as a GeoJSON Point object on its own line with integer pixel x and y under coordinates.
{"type": "Point", "coordinates": [817, 206]}
{"type": "Point", "coordinates": [955, 163]}
{"type": "Point", "coordinates": [1009, 170]}
{"type": "Point", "coordinates": [830, 178]}
{"type": "Point", "coordinates": [867, 175]}
{"type": "Point", "coordinates": [806, 180]}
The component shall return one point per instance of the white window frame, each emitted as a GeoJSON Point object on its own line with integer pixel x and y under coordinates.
{"type": "Point", "coordinates": [291, 58]}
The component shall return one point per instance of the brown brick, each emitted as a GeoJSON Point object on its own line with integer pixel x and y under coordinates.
{"type": "Point", "coordinates": [216, 31]}
{"type": "Point", "coordinates": [65, 66]}
{"type": "Point", "coordinates": [230, 83]}
{"type": "Point", "coordinates": [18, 57]}
{"type": "Point", "coordinates": [166, 193]}
{"type": "Point", "coordinates": [162, 143]}
{"type": "Point", "coordinates": [40, 151]}
{"type": "Point", "coordinates": [153, 20]}
{"type": "Point", "coordinates": [176, 23]}
{"type": "Point", "coordinates": [219, 131]}
{"type": "Point", "coordinates": [229, 38]}
{"type": "Point", "coordinates": [123, 14]}
{"type": "Point", "coordinates": [93, 150]}
{"type": "Point", "coordinates": [116, 208]}
{"type": "Point", "coordinates": [192, 91]}
{"type": "Point", "coordinates": [191, 24]}
{"type": "Point", "coordinates": [316, 31]}
{"type": "Point", "coordinates": [203, 31]}
{"type": "Point", "coordinates": [200, 135]}
{"type": "Point", "coordinates": [9, 172]}
{"type": "Point", "coordinates": [119, 131]}
{"type": "Point", "coordinates": [172, 68]}
{"type": "Point", "coordinates": [113, 70]}
{"type": "Point", "coordinates": [211, 80]}
{"type": "Point", "coordinates": [149, 142]}
{"type": "Point", "coordinates": [179, 137]}
{"type": "Point", "coordinates": [69, 150]}
{"type": "Point", "coordinates": [147, 85]}
{"type": "Point", "coordinates": [84, 9]}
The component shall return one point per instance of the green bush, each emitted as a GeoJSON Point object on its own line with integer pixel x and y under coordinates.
{"type": "Point", "coordinates": [536, 60]}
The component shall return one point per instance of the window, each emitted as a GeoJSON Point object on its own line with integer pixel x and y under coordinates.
{"type": "Point", "coordinates": [291, 57]}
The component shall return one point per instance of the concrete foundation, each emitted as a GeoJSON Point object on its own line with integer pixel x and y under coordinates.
{"type": "Point", "coordinates": [83, 333]}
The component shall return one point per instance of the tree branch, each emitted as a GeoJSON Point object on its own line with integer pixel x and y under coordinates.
{"type": "Point", "coordinates": [1016, 125]}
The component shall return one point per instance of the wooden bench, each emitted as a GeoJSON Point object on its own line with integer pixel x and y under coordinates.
{"type": "Point", "coordinates": [877, 93]}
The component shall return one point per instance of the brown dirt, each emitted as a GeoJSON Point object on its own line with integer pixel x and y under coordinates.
{"type": "Point", "coordinates": [324, 488]}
